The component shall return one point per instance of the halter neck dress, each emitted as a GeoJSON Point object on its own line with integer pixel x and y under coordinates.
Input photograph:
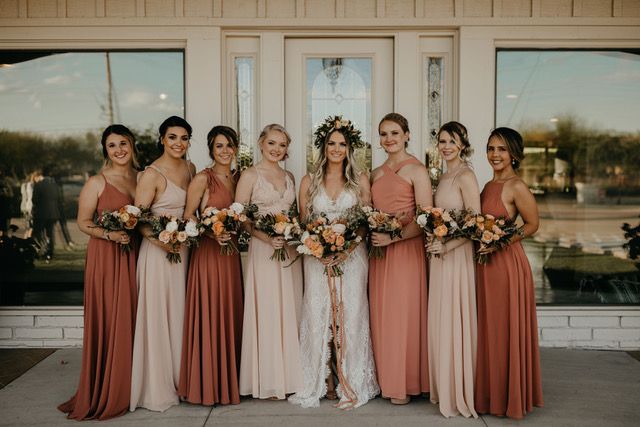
{"type": "Point", "coordinates": [398, 295]}
{"type": "Point", "coordinates": [508, 373]}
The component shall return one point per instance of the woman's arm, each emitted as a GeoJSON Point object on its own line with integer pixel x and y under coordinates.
{"type": "Point", "coordinates": [195, 193]}
{"type": "Point", "coordinates": [87, 205]}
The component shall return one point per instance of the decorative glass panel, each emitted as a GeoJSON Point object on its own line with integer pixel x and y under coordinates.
{"type": "Point", "coordinates": [433, 101]}
{"type": "Point", "coordinates": [245, 105]}
{"type": "Point", "coordinates": [53, 108]}
{"type": "Point", "coordinates": [578, 113]}
{"type": "Point", "coordinates": [339, 86]}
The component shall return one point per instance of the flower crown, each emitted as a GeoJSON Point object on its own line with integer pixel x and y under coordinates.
{"type": "Point", "coordinates": [331, 124]}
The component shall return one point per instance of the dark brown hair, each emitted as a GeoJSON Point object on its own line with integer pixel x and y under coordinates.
{"type": "Point", "coordinates": [225, 131]}
{"type": "Point", "coordinates": [513, 141]}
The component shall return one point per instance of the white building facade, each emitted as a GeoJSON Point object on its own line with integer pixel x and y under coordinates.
{"type": "Point", "coordinates": [248, 63]}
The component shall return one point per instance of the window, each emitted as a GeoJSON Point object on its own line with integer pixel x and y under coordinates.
{"type": "Point", "coordinates": [53, 108]}
{"type": "Point", "coordinates": [578, 113]}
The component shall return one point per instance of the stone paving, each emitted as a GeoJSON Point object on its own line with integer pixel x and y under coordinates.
{"type": "Point", "coordinates": [581, 388]}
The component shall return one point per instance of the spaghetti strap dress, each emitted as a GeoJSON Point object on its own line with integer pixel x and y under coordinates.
{"type": "Point", "coordinates": [508, 378]}
{"type": "Point", "coordinates": [213, 317]}
{"type": "Point", "coordinates": [110, 297]}
{"type": "Point", "coordinates": [398, 296]}
{"type": "Point", "coordinates": [157, 346]}
{"type": "Point", "coordinates": [452, 317]}
{"type": "Point", "coordinates": [270, 361]}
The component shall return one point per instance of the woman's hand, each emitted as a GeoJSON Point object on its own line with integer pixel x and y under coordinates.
{"type": "Point", "coordinates": [335, 259]}
{"type": "Point", "coordinates": [277, 242]}
{"type": "Point", "coordinates": [381, 239]}
{"type": "Point", "coordinates": [486, 250]}
{"type": "Point", "coordinates": [436, 247]}
{"type": "Point", "coordinates": [167, 247]}
{"type": "Point", "coordinates": [223, 238]}
{"type": "Point", "coordinates": [119, 237]}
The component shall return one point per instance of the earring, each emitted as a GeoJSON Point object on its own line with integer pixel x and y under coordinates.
{"type": "Point", "coordinates": [513, 162]}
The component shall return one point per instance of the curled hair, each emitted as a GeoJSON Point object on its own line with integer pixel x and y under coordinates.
{"type": "Point", "coordinates": [123, 131]}
{"type": "Point", "coordinates": [398, 119]}
{"type": "Point", "coordinates": [173, 121]}
{"type": "Point", "coordinates": [513, 141]}
{"type": "Point", "coordinates": [455, 128]}
{"type": "Point", "coordinates": [349, 169]}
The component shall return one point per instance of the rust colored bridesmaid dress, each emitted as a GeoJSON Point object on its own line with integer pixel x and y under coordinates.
{"type": "Point", "coordinates": [508, 368]}
{"type": "Point", "coordinates": [110, 296]}
{"type": "Point", "coordinates": [398, 296]}
{"type": "Point", "coordinates": [213, 318]}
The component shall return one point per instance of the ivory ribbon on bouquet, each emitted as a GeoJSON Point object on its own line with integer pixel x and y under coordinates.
{"type": "Point", "coordinates": [339, 343]}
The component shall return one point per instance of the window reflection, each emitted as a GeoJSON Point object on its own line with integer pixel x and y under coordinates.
{"type": "Point", "coordinates": [578, 113]}
{"type": "Point", "coordinates": [339, 86]}
{"type": "Point", "coordinates": [53, 108]}
{"type": "Point", "coordinates": [245, 109]}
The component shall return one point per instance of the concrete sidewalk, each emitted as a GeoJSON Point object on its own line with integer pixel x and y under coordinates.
{"type": "Point", "coordinates": [581, 388]}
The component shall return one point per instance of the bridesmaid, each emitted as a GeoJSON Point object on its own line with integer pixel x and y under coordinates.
{"type": "Point", "coordinates": [213, 319]}
{"type": "Point", "coordinates": [161, 284]}
{"type": "Point", "coordinates": [452, 296]}
{"type": "Point", "coordinates": [508, 376]}
{"type": "Point", "coordinates": [109, 286]}
{"type": "Point", "coordinates": [397, 282]}
{"type": "Point", "coordinates": [270, 361]}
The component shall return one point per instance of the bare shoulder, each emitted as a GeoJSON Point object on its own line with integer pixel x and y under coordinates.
{"type": "Point", "coordinates": [149, 175]}
{"type": "Point", "coordinates": [249, 175]}
{"type": "Point", "coordinates": [376, 173]}
{"type": "Point", "coordinates": [363, 179]}
{"type": "Point", "coordinates": [305, 181]}
{"type": "Point", "coordinates": [468, 176]}
{"type": "Point", "coordinates": [418, 171]}
{"type": "Point", "coordinates": [516, 185]}
{"type": "Point", "coordinates": [96, 183]}
{"type": "Point", "coordinates": [200, 178]}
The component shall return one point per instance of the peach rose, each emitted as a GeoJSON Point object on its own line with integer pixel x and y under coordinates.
{"type": "Point", "coordinates": [280, 227]}
{"type": "Point", "coordinates": [182, 236]}
{"type": "Point", "coordinates": [487, 237]}
{"type": "Point", "coordinates": [217, 228]}
{"type": "Point", "coordinates": [164, 236]}
{"type": "Point", "coordinates": [441, 231]}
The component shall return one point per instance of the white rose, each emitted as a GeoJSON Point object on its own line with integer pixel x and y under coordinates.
{"type": "Point", "coordinates": [171, 226]}
{"type": "Point", "coordinates": [287, 232]}
{"type": "Point", "coordinates": [446, 216]}
{"type": "Point", "coordinates": [304, 236]}
{"type": "Point", "coordinates": [237, 207]}
{"type": "Point", "coordinates": [191, 229]}
{"type": "Point", "coordinates": [422, 220]}
{"type": "Point", "coordinates": [338, 228]}
{"type": "Point", "coordinates": [133, 210]}
{"type": "Point", "coordinates": [302, 249]}
{"type": "Point", "coordinates": [367, 209]}
{"type": "Point", "coordinates": [358, 239]}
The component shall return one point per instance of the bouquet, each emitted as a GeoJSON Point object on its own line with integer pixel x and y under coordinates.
{"type": "Point", "coordinates": [490, 231]}
{"type": "Point", "coordinates": [381, 222]}
{"type": "Point", "coordinates": [438, 224]}
{"type": "Point", "coordinates": [124, 219]}
{"type": "Point", "coordinates": [279, 224]}
{"type": "Point", "coordinates": [175, 232]}
{"type": "Point", "coordinates": [219, 221]}
{"type": "Point", "coordinates": [323, 238]}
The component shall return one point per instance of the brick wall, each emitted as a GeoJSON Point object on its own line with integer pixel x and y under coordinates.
{"type": "Point", "coordinates": [602, 327]}
{"type": "Point", "coordinates": [55, 327]}
{"type": "Point", "coordinates": [612, 328]}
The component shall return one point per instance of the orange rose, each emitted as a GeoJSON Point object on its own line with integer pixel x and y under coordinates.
{"type": "Point", "coordinates": [280, 217]}
{"type": "Point", "coordinates": [487, 236]}
{"type": "Point", "coordinates": [279, 227]}
{"type": "Point", "coordinates": [218, 228]}
{"type": "Point", "coordinates": [329, 236]}
{"type": "Point", "coordinates": [441, 230]}
{"type": "Point", "coordinates": [340, 241]}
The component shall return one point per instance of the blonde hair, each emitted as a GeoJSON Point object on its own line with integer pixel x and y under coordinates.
{"type": "Point", "coordinates": [349, 170]}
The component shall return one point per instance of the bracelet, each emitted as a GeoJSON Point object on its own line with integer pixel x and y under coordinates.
{"type": "Point", "coordinates": [105, 235]}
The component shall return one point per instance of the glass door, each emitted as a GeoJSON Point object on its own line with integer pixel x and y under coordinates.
{"type": "Point", "coordinates": [336, 76]}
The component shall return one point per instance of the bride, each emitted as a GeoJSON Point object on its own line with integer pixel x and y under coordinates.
{"type": "Point", "coordinates": [332, 189]}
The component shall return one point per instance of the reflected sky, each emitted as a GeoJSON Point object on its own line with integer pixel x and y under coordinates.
{"type": "Point", "coordinates": [600, 87]}
{"type": "Point", "coordinates": [67, 93]}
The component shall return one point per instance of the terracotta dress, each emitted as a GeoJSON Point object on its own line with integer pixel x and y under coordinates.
{"type": "Point", "coordinates": [452, 318]}
{"type": "Point", "coordinates": [213, 318]}
{"type": "Point", "coordinates": [109, 314]}
{"type": "Point", "coordinates": [398, 296]}
{"type": "Point", "coordinates": [270, 362]}
{"type": "Point", "coordinates": [508, 371]}
{"type": "Point", "coordinates": [157, 346]}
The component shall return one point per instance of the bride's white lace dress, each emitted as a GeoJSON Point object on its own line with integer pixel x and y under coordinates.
{"type": "Point", "coordinates": [315, 329]}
